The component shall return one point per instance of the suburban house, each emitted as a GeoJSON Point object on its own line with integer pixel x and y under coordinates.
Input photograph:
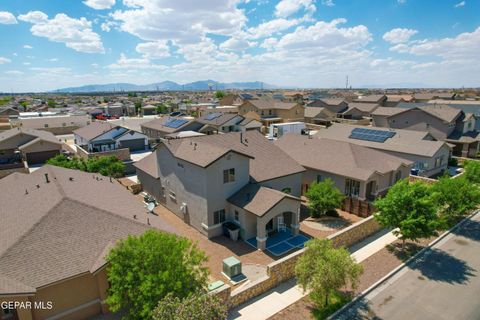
{"type": "Point", "coordinates": [359, 172]}
{"type": "Point", "coordinates": [159, 128]}
{"type": "Point", "coordinates": [442, 122]}
{"type": "Point", "coordinates": [218, 122]}
{"type": "Point", "coordinates": [58, 225]}
{"type": "Point", "coordinates": [149, 110]}
{"type": "Point", "coordinates": [20, 147]}
{"type": "Point", "coordinates": [394, 99]}
{"type": "Point", "coordinates": [238, 177]}
{"type": "Point", "coordinates": [56, 123]}
{"type": "Point", "coordinates": [102, 136]}
{"type": "Point", "coordinates": [334, 105]}
{"type": "Point", "coordinates": [231, 100]}
{"type": "Point", "coordinates": [429, 157]}
{"type": "Point", "coordinates": [379, 99]}
{"type": "Point", "coordinates": [319, 115]}
{"type": "Point", "coordinates": [357, 110]}
{"type": "Point", "coordinates": [272, 111]}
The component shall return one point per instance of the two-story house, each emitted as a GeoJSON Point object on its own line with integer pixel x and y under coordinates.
{"type": "Point", "coordinates": [272, 111]}
{"type": "Point", "coordinates": [237, 177]}
{"type": "Point", "coordinates": [442, 122]}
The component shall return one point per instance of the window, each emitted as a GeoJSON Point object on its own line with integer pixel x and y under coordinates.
{"type": "Point", "coordinates": [438, 162]}
{"type": "Point", "coordinates": [269, 112]}
{"type": "Point", "coordinates": [219, 216]}
{"type": "Point", "coordinates": [45, 125]}
{"type": "Point", "coordinates": [352, 188]}
{"type": "Point", "coordinates": [287, 190]}
{"type": "Point", "coordinates": [172, 196]}
{"type": "Point", "coordinates": [236, 215]}
{"type": "Point", "coordinates": [319, 178]}
{"type": "Point", "coordinates": [398, 176]}
{"type": "Point", "coordinates": [228, 175]}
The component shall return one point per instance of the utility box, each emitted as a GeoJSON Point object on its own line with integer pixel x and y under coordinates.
{"type": "Point", "coordinates": [232, 267]}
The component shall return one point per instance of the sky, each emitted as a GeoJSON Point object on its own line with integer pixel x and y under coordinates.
{"type": "Point", "coordinates": [51, 44]}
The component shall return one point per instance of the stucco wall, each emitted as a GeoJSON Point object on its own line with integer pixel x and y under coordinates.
{"type": "Point", "coordinates": [293, 181]}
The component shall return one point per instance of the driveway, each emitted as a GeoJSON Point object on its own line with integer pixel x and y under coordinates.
{"type": "Point", "coordinates": [443, 283]}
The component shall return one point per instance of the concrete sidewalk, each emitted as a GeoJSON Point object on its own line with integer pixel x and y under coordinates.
{"type": "Point", "coordinates": [280, 297]}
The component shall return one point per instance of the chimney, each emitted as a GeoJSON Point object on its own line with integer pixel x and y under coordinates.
{"type": "Point", "coordinates": [46, 178]}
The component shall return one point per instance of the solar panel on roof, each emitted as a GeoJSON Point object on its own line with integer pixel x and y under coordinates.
{"type": "Point", "coordinates": [212, 116]}
{"type": "Point", "coordinates": [371, 134]}
{"type": "Point", "coordinates": [175, 123]}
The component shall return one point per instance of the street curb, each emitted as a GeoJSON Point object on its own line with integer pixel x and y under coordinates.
{"type": "Point", "coordinates": [400, 267]}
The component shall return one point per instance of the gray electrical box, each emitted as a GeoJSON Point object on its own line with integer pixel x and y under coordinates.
{"type": "Point", "coordinates": [232, 267]}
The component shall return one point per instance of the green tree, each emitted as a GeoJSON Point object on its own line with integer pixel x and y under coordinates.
{"type": "Point", "coordinates": [107, 166]}
{"type": "Point", "coordinates": [219, 95]}
{"type": "Point", "coordinates": [138, 106]}
{"type": "Point", "coordinates": [144, 269]}
{"type": "Point", "coordinates": [411, 208]}
{"type": "Point", "coordinates": [472, 171]}
{"type": "Point", "coordinates": [323, 196]}
{"type": "Point", "coordinates": [162, 108]}
{"type": "Point", "coordinates": [324, 270]}
{"type": "Point", "coordinates": [456, 197]}
{"type": "Point", "coordinates": [198, 306]}
{"type": "Point", "coordinates": [51, 103]}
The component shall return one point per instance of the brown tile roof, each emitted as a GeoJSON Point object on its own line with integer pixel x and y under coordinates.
{"type": "Point", "coordinates": [388, 111]}
{"type": "Point", "coordinates": [52, 231]}
{"type": "Point", "coordinates": [339, 157]}
{"type": "Point", "coordinates": [333, 101]}
{"type": "Point", "coordinates": [371, 98]}
{"type": "Point", "coordinates": [257, 199]}
{"type": "Point", "coordinates": [312, 112]}
{"type": "Point", "coordinates": [94, 129]}
{"type": "Point", "coordinates": [363, 107]}
{"type": "Point", "coordinates": [268, 161]}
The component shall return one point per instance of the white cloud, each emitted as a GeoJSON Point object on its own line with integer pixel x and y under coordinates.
{"type": "Point", "coordinates": [268, 28]}
{"type": "Point", "coordinates": [460, 4]}
{"type": "Point", "coordinates": [99, 4]}
{"type": "Point", "coordinates": [26, 63]}
{"type": "Point", "coordinates": [328, 3]}
{"type": "Point", "coordinates": [236, 44]}
{"type": "Point", "coordinates": [4, 60]}
{"type": "Point", "coordinates": [134, 64]}
{"type": "Point", "coordinates": [401, 1]}
{"type": "Point", "coordinates": [154, 50]}
{"type": "Point", "coordinates": [108, 25]}
{"type": "Point", "coordinates": [76, 34]}
{"type": "Point", "coordinates": [7, 18]}
{"type": "Point", "coordinates": [53, 60]}
{"type": "Point", "coordinates": [399, 35]}
{"type": "Point", "coordinates": [14, 72]}
{"type": "Point", "coordinates": [182, 21]}
{"type": "Point", "coordinates": [286, 8]}
{"type": "Point", "coordinates": [27, 46]}
{"type": "Point", "coordinates": [464, 47]}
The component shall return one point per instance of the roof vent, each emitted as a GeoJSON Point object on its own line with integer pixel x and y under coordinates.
{"type": "Point", "coordinates": [38, 186]}
{"type": "Point", "coordinates": [71, 179]}
{"type": "Point", "coordinates": [26, 191]}
{"type": "Point", "coordinates": [46, 178]}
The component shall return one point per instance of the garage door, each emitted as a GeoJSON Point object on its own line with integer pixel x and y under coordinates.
{"type": "Point", "coordinates": [40, 157]}
{"type": "Point", "coordinates": [134, 144]}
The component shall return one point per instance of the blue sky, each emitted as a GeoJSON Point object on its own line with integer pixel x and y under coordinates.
{"type": "Point", "coordinates": [49, 44]}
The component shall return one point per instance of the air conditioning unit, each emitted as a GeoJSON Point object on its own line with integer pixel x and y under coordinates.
{"type": "Point", "coordinates": [232, 267]}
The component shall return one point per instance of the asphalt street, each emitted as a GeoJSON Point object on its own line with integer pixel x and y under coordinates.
{"type": "Point", "coordinates": [443, 283]}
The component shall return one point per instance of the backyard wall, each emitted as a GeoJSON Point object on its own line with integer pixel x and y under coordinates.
{"type": "Point", "coordinates": [284, 269]}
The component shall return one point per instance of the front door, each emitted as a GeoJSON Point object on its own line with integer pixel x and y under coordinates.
{"type": "Point", "coordinates": [370, 190]}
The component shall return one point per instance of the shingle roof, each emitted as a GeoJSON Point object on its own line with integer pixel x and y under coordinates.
{"type": "Point", "coordinates": [388, 111]}
{"type": "Point", "coordinates": [312, 112]}
{"type": "Point", "coordinates": [94, 129]}
{"type": "Point", "coordinates": [218, 121]}
{"type": "Point", "coordinates": [404, 141]}
{"type": "Point", "coordinates": [149, 165]}
{"type": "Point", "coordinates": [338, 157]}
{"type": "Point", "coordinates": [268, 161]}
{"type": "Point", "coordinates": [371, 98]}
{"type": "Point", "coordinates": [44, 135]}
{"type": "Point", "coordinates": [52, 231]}
{"type": "Point", "coordinates": [272, 104]}
{"type": "Point", "coordinates": [442, 112]}
{"type": "Point", "coordinates": [333, 101]}
{"type": "Point", "coordinates": [257, 199]}
{"type": "Point", "coordinates": [363, 107]}
{"type": "Point", "coordinates": [159, 125]}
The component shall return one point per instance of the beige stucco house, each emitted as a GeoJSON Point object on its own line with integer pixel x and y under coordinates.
{"type": "Point", "coordinates": [209, 180]}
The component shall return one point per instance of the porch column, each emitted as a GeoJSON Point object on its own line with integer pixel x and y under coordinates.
{"type": "Point", "coordinates": [465, 150]}
{"type": "Point", "coordinates": [261, 235]}
{"type": "Point", "coordinates": [295, 221]}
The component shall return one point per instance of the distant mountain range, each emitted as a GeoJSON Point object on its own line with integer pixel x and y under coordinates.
{"type": "Point", "coordinates": [167, 85]}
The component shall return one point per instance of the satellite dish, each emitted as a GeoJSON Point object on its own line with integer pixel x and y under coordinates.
{"type": "Point", "coordinates": [150, 207]}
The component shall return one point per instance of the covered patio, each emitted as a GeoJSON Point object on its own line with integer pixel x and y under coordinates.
{"type": "Point", "coordinates": [269, 219]}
